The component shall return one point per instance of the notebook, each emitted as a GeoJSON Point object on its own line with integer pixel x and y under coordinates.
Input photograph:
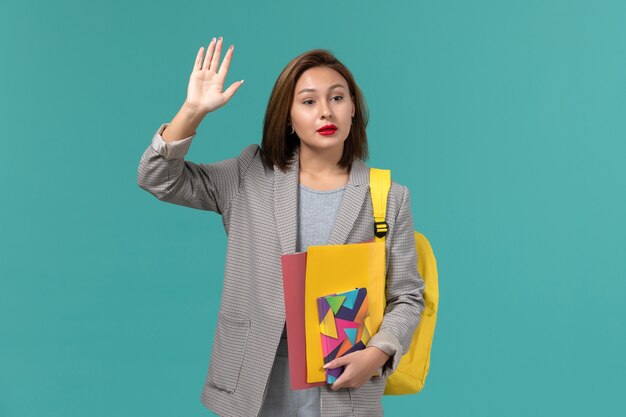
{"type": "Point", "coordinates": [344, 326]}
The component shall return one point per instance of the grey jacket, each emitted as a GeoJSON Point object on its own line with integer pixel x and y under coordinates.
{"type": "Point", "coordinates": [258, 208]}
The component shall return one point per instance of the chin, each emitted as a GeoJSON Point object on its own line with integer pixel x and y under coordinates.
{"type": "Point", "coordinates": [325, 146]}
{"type": "Point", "coordinates": [324, 142]}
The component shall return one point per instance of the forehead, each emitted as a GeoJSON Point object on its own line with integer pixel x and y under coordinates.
{"type": "Point", "coordinates": [320, 79]}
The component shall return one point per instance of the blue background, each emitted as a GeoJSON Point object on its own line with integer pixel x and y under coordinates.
{"type": "Point", "coordinates": [503, 118]}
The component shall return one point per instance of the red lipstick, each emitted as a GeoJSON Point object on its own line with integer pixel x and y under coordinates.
{"type": "Point", "coordinates": [327, 129]}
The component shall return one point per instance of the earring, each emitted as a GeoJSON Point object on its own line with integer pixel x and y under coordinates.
{"type": "Point", "coordinates": [292, 130]}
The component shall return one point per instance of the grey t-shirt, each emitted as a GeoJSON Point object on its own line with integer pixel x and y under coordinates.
{"type": "Point", "coordinates": [317, 211]}
{"type": "Point", "coordinates": [316, 216]}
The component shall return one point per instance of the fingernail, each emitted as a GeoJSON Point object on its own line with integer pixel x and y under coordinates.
{"type": "Point", "coordinates": [213, 40]}
{"type": "Point", "coordinates": [242, 81]}
{"type": "Point", "coordinates": [220, 38]}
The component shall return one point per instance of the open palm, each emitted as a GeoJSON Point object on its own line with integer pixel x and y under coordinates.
{"type": "Point", "coordinates": [206, 83]}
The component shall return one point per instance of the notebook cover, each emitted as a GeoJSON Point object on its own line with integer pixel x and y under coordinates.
{"type": "Point", "coordinates": [344, 326]}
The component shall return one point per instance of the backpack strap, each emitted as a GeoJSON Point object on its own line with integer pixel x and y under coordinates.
{"type": "Point", "coordinates": [380, 183]}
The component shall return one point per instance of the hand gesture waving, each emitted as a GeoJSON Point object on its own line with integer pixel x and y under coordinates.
{"type": "Point", "coordinates": [206, 83]}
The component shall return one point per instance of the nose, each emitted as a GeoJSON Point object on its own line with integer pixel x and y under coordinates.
{"type": "Point", "coordinates": [325, 110]}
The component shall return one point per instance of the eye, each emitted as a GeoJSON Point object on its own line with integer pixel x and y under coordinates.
{"type": "Point", "coordinates": [310, 101]}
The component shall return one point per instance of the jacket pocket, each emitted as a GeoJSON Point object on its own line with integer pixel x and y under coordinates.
{"type": "Point", "coordinates": [229, 347]}
{"type": "Point", "coordinates": [367, 399]}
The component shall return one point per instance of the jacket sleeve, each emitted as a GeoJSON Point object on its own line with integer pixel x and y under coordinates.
{"type": "Point", "coordinates": [164, 173]}
{"type": "Point", "coordinates": [405, 291]}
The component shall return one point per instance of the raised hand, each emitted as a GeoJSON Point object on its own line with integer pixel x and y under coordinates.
{"type": "Point", "coordinates": [206, 83]}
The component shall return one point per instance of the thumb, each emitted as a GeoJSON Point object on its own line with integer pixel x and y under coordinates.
{"type": "Point", "coordinates": [230, 91]}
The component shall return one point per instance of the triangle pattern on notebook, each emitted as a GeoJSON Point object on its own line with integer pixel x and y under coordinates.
{"type": "Point", "coordinates": [344, 326]}
{"type": "Point", "coordinates": [327, 326]}
{"type": "Point", "coordinates": [335, 302]}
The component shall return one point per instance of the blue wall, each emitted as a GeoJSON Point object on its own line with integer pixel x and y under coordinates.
{"type": "Point", "coordinates": [503, 118]}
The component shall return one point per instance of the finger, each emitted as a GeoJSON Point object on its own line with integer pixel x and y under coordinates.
{"type": "Point", "coordinates": [230, 91]}
{"type": "Point", "coordinates": [216, 56]}
{"type": "Point", "coordinates": [198, 64]}
{"type": "Point", "coordinates": [209, 54]}
{"type": "Point", "coordinates": [343, 360]}
{"type": "Point", "coordinates": [339, 383]}
{"type": "Point", "coordinates": [226, 62]}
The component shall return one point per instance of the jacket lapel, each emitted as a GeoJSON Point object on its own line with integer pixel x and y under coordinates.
{"type": "Point", "coordinates": [286, 187]}
{"type": "Point", "coordinates": [351, 204]}
{"type": "Point", "coordinates": [285, 204]}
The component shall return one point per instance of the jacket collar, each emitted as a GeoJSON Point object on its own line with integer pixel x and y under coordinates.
{"type": "Point", "coordinates": [286, 188]}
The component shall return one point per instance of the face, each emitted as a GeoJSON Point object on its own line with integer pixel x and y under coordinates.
{"type": "Point", "coordinates": [321, 98]}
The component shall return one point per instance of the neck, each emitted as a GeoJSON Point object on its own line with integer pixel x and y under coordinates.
{"type": "Point", "coordinates": [322, 163]}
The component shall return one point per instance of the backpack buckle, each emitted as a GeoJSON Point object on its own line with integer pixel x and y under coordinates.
{"type": "Point", "coordinates": [380, 229]}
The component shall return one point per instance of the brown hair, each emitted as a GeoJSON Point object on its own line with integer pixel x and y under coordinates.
{"type": "Point", "coordinates": [279, 145]}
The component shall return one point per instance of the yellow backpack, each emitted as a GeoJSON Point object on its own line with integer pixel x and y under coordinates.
{"type": "Point", "coordinates": [410, 376]}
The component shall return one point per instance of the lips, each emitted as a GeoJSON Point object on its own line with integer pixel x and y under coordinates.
{"type": "Point", "coordinates": [327, 128]}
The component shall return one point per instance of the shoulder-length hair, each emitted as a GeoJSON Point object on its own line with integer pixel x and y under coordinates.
{"type": "Point", "coordinates": [279, 144]}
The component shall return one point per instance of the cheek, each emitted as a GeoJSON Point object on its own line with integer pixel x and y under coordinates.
{"type": "Point", "coordinates": [304, 120]}
{"type": "Point", "coordinates": [344, 111]}
{"type": "Point", "coordinates": [299, 116]}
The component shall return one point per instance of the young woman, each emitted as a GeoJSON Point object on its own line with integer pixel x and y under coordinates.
{"type": "Point", "coordinates": [306, 184]}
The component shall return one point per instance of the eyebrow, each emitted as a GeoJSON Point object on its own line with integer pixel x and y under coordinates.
{"type": "Point", "coordinates": [305, 90]}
